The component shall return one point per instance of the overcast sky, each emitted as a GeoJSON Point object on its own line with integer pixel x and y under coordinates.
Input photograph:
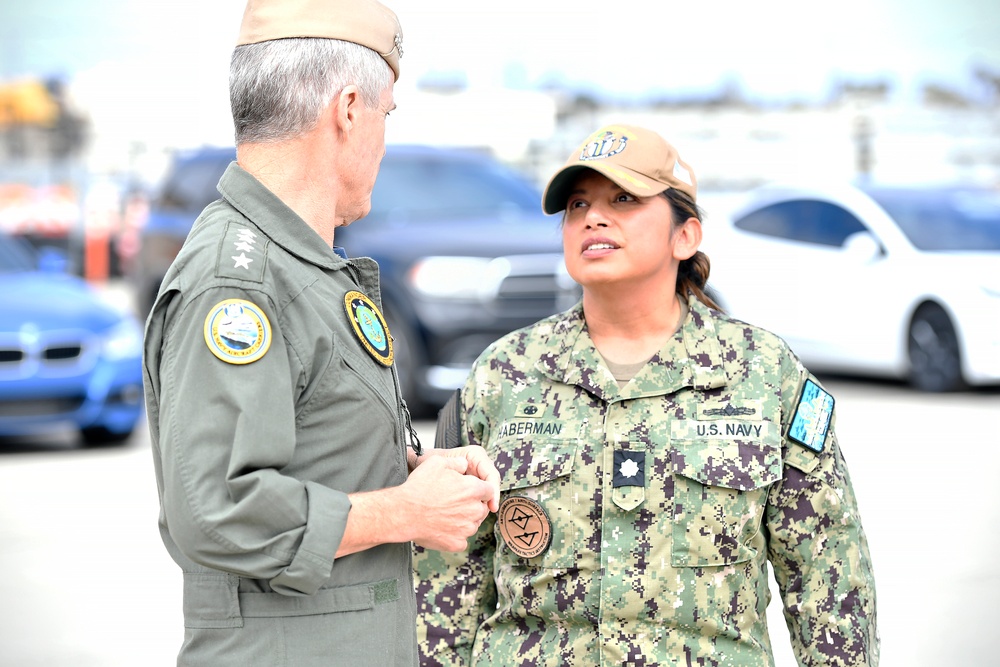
{"type": "Point", "coordinates": [624, 47]}
{"type": "Point", "coordinates": [156, 72]}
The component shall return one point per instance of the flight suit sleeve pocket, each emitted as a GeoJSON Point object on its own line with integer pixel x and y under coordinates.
{"type": "Point", "coordinates": [720, 490]}
{"type": "Point", "coordinates": [211, 601]}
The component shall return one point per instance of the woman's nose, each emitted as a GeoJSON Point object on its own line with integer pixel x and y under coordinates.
{"type": "Point", "coordinates": [597, 216]}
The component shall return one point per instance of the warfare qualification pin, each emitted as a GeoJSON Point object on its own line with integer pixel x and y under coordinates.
{"type": "Point", "coordinates": [369, 326]}
{"type": "Point", "coordinates": [524, 526]}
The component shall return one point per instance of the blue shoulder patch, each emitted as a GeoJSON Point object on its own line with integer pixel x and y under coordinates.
{"type": "Point", "coordinates": [811, 421]}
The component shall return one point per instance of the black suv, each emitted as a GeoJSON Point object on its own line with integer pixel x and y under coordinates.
{"type": "Point", "coordinates": [465, 253]}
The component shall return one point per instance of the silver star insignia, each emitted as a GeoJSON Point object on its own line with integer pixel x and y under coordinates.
{"type": "Point", "coordinates": [242, 260]}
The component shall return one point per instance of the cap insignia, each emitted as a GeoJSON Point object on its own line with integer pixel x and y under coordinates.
{"type": "Point", "coordinates": [604, 147]}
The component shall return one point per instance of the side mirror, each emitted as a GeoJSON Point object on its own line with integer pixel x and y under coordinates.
{"type": "Point", "coordinates": [862, 247]}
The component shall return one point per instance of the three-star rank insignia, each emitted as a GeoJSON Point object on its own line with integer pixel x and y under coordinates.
{"type": "Point", "coordinates": [369, 326]}
{"type": "Point", "coordinates": [524, 526]}
{"type": "Point", "coordinates": [237, 331]}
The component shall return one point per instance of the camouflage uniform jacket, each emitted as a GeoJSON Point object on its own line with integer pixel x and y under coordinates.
{"type": "Point", "coordinates": [663, 562]}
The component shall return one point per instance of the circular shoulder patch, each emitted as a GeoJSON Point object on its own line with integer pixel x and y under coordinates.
{"type": "Point", "coordinates": [369, 326]}
{"type": "Point", "coordinates": [524, 526]}
{"type": "Point", "coordinates": [237, 331]}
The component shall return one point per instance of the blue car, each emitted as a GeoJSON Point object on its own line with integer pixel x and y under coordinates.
{"type": "Point", "coordinates": [67, 358]}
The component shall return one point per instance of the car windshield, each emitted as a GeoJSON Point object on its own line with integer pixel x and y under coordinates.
{"type": "Point", "coordinates": [423, 187]}
{"type": "Point", "coordinates": [14, 255]}
{"type": "Point", "coordinates": [945, 219]}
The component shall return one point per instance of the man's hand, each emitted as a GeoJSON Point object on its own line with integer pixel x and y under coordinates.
{"type": "Point", "coordinates": [447, 495]}
{"type": "Point", "coordinates": [480, 466]}
{"type": "Point", "coordinates": [454, 490]}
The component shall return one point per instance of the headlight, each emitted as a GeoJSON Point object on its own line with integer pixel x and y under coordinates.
{"type": "Point", "coordinates": [122, 341]}
{"type": "Point", "coordinates": [469, 278]}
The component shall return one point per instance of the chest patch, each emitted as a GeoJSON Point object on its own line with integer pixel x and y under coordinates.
{"type": "Point", "coordinates": [237, 331]}
{"type": "Point", "coordinates": [524, 526]}
{"type": "Point", "coordinates": [812, 417]}
{"type": "Point", "coordinates": [369, 326]}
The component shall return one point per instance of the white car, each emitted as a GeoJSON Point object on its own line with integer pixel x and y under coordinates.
{"type": "Point", "coordinates": [891, 282]}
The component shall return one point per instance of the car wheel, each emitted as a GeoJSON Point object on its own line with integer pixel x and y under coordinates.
{"type": "Point", "coordinates": [932, 346]}
{"type": "Point", "coordinates": [99, 436]}
{"type": "Point", "coordinates": [408, 359]}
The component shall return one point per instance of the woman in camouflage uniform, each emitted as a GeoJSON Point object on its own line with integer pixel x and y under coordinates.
{"type": "Point", "coordinates": [655, 456]}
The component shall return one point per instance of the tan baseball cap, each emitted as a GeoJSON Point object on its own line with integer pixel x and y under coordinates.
{"type": "Point", "coordinates": [365, 22]}
{"type": "Point", "coordinates": [639, 160]}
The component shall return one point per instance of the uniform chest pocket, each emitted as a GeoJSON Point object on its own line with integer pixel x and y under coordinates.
{"type": "Point", "coordinates": [720, 493]}
{"type": "Point", "coordinates": [541, 471]}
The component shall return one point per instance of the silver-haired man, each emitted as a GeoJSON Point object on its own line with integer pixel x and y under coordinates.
{"type": "Point", "coordinates": [290, 485]}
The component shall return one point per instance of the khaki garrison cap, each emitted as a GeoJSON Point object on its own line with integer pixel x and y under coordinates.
{"type": "Point", "coordinates": [365, 22]}
{"type": "Point", "coordinates": [640, 161]}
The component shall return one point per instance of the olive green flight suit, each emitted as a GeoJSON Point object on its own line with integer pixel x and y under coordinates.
{"type": "Point", "coordinates": [256, 450]}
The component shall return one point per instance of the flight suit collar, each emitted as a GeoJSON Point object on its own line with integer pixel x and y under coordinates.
{"type": "Point", "coordinates": [691, 358]}
{"type": "Point", "coordinates": [275, 219]}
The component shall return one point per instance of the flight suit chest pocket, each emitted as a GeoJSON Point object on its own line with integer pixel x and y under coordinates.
{"type": "Point", "coordinates": [540, 472]}
{"type": "Point", "coordinates": [722, 473]}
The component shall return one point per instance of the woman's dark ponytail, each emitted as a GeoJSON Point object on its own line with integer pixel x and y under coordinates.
{"type": "Point", "coordinates": [692, 274]}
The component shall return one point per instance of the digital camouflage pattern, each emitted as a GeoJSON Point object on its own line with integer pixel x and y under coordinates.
{"type": "Point", "coordinates": [673, 572]}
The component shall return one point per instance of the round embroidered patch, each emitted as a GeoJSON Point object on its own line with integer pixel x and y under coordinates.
{"type": "Point", "coordinates": [524, 526]}
{"type": "Point", "coordinates": [370, 326]}
{"type": "Point", "coordinates": [237, 331]}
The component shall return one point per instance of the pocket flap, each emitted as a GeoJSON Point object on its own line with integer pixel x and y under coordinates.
{"type": "Point", "coordinates": [525, 464]}
{"type": "Point", "coordinates": [730, 464]}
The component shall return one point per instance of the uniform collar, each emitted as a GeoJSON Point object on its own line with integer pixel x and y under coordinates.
{"type": "Point", "coordinates": [691, 358]}
{"type": "Point", "coordinates": [274, 218]}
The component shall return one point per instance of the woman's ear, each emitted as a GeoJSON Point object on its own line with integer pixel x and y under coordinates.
{"type": "Point", "coordinates": [687, 239]}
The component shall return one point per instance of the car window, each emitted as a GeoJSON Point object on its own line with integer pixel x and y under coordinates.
{"type": "Point", "coordinates": [803, 220]}
{"type": "Point", "coordinates": [15, 255]}
{"type": "Point", "coordinates": [946, 220]}
{"type": "Point", "coordinates": [420, 187]}
{"type": "Point", "coordinates": [190, 185]}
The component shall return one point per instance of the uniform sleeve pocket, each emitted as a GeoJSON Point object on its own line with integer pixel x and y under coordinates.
{"type": "Point", "coordinates": [720, 489]}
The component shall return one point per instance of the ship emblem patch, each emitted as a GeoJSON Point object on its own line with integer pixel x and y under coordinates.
{"type": "Point", "coordinates": [237, 331]}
